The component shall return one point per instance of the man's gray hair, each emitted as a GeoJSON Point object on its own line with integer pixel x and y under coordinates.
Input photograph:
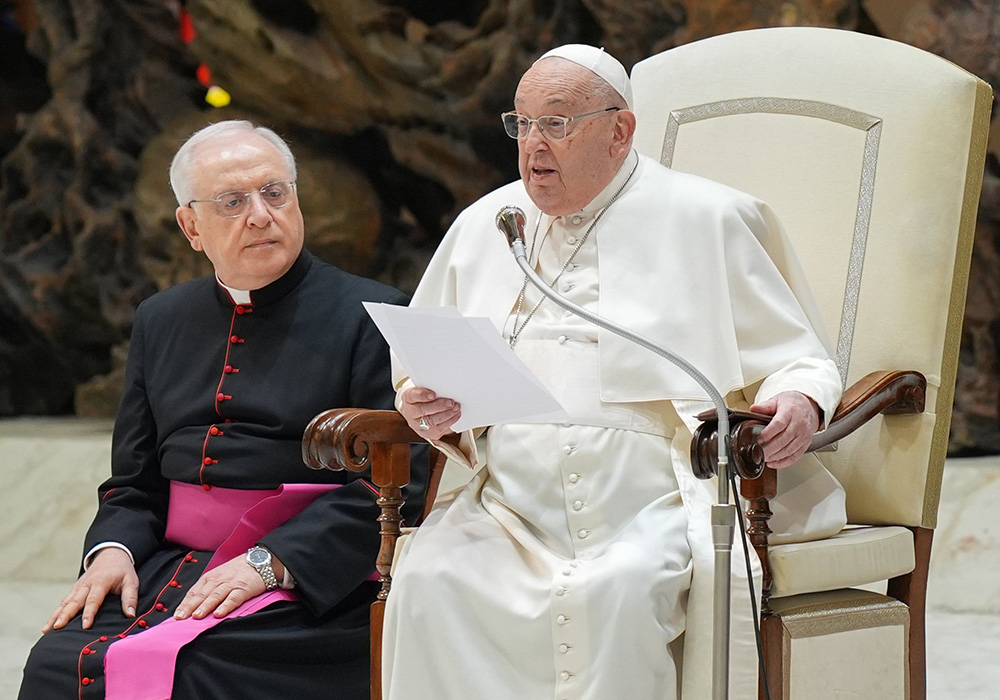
{"type": "Point", "coordinates": [604, 92]}
{"type": "Point", "coordinates": [183, 164]}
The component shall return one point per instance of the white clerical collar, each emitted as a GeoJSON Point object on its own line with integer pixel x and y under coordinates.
{"type": "Point", "coordinates": [239, 296]}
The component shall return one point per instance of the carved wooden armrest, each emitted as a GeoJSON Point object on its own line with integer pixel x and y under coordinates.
{"type": "Point", "coordinates": [890, 392]}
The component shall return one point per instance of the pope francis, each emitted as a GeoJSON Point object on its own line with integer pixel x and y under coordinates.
{"type": "Point", "coordinates": [577, 562]}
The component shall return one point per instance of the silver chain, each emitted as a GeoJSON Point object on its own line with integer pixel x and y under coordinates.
{"type": "Point", "coordinates": [516, 331]}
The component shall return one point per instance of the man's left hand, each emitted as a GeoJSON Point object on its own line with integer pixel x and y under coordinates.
{"type": "Point", "coordinates": [221, 590]}
{"type": "Point", "coordinates": [787, 436]}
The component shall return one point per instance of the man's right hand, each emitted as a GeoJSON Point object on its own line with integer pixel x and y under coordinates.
{"type": "Point", "coordinates": [439, 414]}
{"type": "Point", "coordinates": [111, 571]}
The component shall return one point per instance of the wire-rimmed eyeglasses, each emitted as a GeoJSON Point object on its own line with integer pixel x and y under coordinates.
{"type": "Point", "coordinates": [229, 205]}
{"type": "Point", "coordinates": [517, 125]}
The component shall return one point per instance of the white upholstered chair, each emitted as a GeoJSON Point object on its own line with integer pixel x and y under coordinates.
{"type": "Point", "coordinates": [871, 152]}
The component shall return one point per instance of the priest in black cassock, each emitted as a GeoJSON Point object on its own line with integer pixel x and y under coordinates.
{"type": "Point", "coordinates": [219, 565]}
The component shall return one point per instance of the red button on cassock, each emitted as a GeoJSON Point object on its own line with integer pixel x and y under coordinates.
{"type": "Point", "coordinates": [234, 339]}
{"type": "Point", "coordinates": [213, 430]}
{"type": "Point", "coordinates": [87, 681]}
{"type": "Point", "coordinates": [240, 310]}
{"type": "Point", "coordinates": [206, 461]}
{"type": "Point", "coordinates": [142, 623]}
{"type": "Point", "coordinates": [104, 639]}
{"type": "Point", "coordinates": [206, 487]}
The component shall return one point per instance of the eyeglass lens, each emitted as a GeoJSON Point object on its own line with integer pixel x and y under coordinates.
{"type": "Point", "coordinates": [517, 125]}
{"type": "Point", "coordinates": [274, 194]}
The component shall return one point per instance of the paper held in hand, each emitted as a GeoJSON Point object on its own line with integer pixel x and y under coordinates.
{"type": "Point", "coordinates": [465, 359]}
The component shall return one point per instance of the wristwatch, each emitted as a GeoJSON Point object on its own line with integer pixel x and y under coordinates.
{"type": "Point", "coordinates": [260, 559]}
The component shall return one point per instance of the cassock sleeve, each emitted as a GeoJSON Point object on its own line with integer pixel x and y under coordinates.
{"type": "Point", "coordinates": [133, 501]}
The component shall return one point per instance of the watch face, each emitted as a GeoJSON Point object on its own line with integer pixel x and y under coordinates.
{"type": "Point", "coordinates": [258, 557]}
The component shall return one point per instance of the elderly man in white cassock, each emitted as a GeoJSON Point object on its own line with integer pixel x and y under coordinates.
{"type": "Point", "coordinates": [577, 562]}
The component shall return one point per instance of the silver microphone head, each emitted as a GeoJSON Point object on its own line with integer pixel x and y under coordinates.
{"type": "Point", "coordinates": [510, 221]}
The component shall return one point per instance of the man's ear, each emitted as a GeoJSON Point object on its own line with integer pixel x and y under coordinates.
{"type": "Point", "coordinates": [624, 130]}
{"type": "Point", "coordinates": [188, 222]}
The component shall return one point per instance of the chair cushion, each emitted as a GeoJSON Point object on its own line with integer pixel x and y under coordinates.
{"type": "Point", "coordinates": [855, 556]}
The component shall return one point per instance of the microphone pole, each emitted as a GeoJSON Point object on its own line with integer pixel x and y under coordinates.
{"type": "Point", "coordinates": [510, 220]}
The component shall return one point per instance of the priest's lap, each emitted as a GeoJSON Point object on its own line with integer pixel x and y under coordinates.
{"type": "Point", "coordinates": [281, 651]}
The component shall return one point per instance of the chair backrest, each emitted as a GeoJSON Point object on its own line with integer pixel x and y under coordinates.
{"type": "Point", "coordinates": [871, 152]}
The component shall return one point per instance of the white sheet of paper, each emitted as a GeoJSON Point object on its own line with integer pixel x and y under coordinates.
{"type": "Point", "coordinates": [467, 360]}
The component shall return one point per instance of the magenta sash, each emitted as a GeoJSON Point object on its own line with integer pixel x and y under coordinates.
{"type": "Point", "coordinates": [230, 521]}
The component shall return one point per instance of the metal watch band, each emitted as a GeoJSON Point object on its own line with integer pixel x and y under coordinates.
{"type": "Point", "coordinates": [267, 573]}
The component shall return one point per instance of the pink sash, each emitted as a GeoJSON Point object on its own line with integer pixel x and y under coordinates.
{"type": "Point", "coordinates": [230, 521]}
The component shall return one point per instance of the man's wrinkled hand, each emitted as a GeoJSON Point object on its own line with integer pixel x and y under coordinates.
{"type": "Point", "coordinates": [786, 438]}
{"type": "Point", "coordinates": [221, 590]}
{"type": "Point", "coordinates": [438, 414]}
{"type": "Point", "coordinates": [111, 571]}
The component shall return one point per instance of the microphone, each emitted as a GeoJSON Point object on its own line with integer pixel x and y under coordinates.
{"type": "Point", "coordinates": [510, 221]}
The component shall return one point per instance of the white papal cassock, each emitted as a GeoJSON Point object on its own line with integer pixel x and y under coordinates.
{"type": "Point", "coordinates": [577, 563]}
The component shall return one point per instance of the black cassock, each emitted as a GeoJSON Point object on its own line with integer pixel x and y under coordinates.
{"type": "Point", "coordinates": [218, 394]}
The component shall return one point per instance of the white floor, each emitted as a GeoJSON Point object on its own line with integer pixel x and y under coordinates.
{"type": "Point", "coordinates": [963, 618]}
{"type": "Point", "coordinates": [963, 655]}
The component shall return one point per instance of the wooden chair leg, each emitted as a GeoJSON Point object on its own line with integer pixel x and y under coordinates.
{"type": "Point", "coordinates": [377, 617]}
{"type": "Point", "coordinates": [911, 589]}
{"type": "Point", "coordinates": [771, 636]}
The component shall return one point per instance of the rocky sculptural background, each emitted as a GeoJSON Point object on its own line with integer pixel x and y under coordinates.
{"type": "Point", "coordinates": [392, 110]}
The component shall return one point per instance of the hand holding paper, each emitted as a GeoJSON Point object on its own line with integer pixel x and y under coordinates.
{"type": "Point", "coordinates": [465, 359]}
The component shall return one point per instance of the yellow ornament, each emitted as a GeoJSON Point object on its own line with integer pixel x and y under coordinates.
{"type": "Point", "coordinates": [217, 97]}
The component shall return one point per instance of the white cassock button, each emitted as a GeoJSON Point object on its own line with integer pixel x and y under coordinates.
{"type": "Point", "coordinates": [560, 590]}
{"type": "Point", "coordinates": [577, 505]}
{"type": "Point", "coordinates": [573, 478]}
{"type": "Point", "coordinates": [562, 339]}
{"type": "Point", "coordinates": [563, 648]}
{"type": "Point", "coordinates": [567, 572]}
{"type": "Point", "coordinates": [582, 534]}
{"type": "Point", "coordinates": [564, 675]}
{"type": "Point", "coordinates": [574, 564]}
{"type": "Point", "coordinates": [562, 619]}
{"type": "Point", "coordinates": [571, 240]}
{"type": "Point", "coordinates": [577, 219]}
{"type": "Point", "coordinates": [568, 286]}
{"type": "Point", "coordinates": [568, 449]}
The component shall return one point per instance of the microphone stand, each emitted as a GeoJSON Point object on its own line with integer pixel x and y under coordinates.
{"type": "Point", "coordinates": [510, 220]}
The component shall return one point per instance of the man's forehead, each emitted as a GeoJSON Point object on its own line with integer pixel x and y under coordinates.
{"type": "Point", "coordinates": [553, 82]}
{"type": "Point", "coordinates": [228, 163]}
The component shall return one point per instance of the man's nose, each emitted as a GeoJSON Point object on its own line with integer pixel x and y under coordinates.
{"type": "Point", "coordinates": [258, 213]}
{"type": "Point", "coordinates": [534, 139]}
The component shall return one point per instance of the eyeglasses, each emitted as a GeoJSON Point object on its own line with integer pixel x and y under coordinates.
{"type": "Point", "coordinates": [517, 125]}
{"type": "Point", "coordinates": [229, 205]}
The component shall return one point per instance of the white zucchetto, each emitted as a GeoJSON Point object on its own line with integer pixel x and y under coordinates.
{"type": "Point", "coordinates": [597, 61]}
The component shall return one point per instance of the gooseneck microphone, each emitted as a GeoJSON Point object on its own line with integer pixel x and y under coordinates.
{"type": "Point", "coordinates": [510, 221]}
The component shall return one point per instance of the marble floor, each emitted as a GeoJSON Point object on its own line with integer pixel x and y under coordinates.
{"type": "Point", "coordinates": [963, 617]}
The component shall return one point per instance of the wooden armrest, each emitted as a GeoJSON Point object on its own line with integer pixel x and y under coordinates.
{"type": "Point", "coordinates": [899, 392]}
{"type": "Point", "coordinates": [886, 391]}
{"type": "Point", "coordinates": [342, 438]}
